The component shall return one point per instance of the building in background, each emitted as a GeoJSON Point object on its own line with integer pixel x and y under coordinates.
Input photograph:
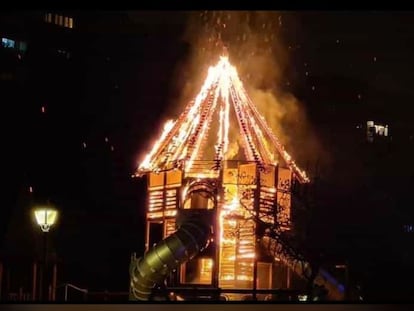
{"type": "Point", "coordinates": [70, 99]}
{"type": "Point", "coordinates": [376, 131]}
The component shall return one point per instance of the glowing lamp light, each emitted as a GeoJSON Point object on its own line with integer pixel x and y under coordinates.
{"type": "Point", "coordinates": [302, 297]}
{"type": "Point", "coordinates": [45, 217]}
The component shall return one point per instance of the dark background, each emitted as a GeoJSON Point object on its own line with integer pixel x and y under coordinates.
{"type": "Point", "coordinates": [105, 86]}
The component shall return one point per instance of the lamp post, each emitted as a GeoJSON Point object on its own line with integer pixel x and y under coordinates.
{"type": "Point", "coordinates": [46, 217]}
{"type": "Point", "coordinates": [346, 270]}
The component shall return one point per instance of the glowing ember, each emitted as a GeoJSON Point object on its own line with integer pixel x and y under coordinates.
{"type": "Point", "coordinates": [183, 141]}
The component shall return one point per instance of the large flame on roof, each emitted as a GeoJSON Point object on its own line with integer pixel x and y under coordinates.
{"type": "Point", "coordinates": [184, 140]}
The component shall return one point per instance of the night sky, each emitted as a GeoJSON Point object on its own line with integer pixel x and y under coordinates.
{"type": "Point", "coordinates": [103, 104]}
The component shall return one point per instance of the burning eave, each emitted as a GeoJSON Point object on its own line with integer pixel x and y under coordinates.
{"type": "Point", "coordinates": [182, 142]}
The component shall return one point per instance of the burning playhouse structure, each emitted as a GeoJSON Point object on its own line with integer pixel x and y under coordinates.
{"type": "Point", "coordinates": [219, 205]}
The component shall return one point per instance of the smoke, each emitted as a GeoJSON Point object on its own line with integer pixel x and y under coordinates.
{"type": "Point", "coordinates": [255, 43]}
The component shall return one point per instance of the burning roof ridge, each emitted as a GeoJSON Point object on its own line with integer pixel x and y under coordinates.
{"type": "Point", "coordinates": [183, 140]}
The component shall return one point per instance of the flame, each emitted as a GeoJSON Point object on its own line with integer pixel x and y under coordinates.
{"type": "Point", "coordinates": [236, 252]}
{"type": "Point", "coordinates": [146, 163]}
{"type": "Point", "coordinates": [182, 144]}
{"type": "Point", "coordinates": [184, 139]}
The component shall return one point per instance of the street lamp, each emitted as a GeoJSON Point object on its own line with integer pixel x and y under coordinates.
{"type": "Point", "coordinates": [46, 217]}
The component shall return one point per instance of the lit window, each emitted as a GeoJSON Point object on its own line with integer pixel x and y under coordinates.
{"type": "Point", "coordinates": [66, 21]}
{"type": "Point", "coordinates": [7, 43]}
{"type": "Point", "coordinates": [70, 22]}
{"type": "Point", "coordinates": [49, 17]}
{"type": "Point", "coordinates": [60, 20]}
{"type": "Point", "coordinates": [409, 228]}
{"type": "Point", "coordinates": [56, 19]}
{"type": "Point", "coordinates": [376, 130]}
{"type": "Point", "coordinates": [46, 18]}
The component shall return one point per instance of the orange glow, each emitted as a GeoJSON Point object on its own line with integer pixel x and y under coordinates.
{"type": "Point", "coordinates": [237, 242]}
{"type": "Point", "coordinates": [206, 269]}
{"type": "Point", "coordinates": [185, 152]}
{"type": "Point", "coordinates": [146, 163]}
{"type": "Point", "coordinates": [155, 215]}
{"type": "Point", "coordinates": [183, 140]}
{"type": "Point", "coordinates": [170, 213]}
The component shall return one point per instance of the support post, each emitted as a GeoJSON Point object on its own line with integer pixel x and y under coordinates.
{"type": "Point", "coordinates": [34, 281]}
{"type": "Point", "coordinates": [288, 277]}
{"type": "Point", "coordinates": [54, 282]}
{"type": "Point", "coordinates": [1, 278]}
{"type": "Point", "coordinates": [8, 282]}
{"type": "Point", "coordinates": [218, 209]}
{"type": "Point", "coordinates": [347, 288]}
{"type": "Point", "coordinates": [257, 240]}
{"type": "Point", "coordinates": [44, 285]}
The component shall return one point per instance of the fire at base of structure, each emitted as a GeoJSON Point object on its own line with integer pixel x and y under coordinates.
{"type": "Point", "coordinates": [236, 196]}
